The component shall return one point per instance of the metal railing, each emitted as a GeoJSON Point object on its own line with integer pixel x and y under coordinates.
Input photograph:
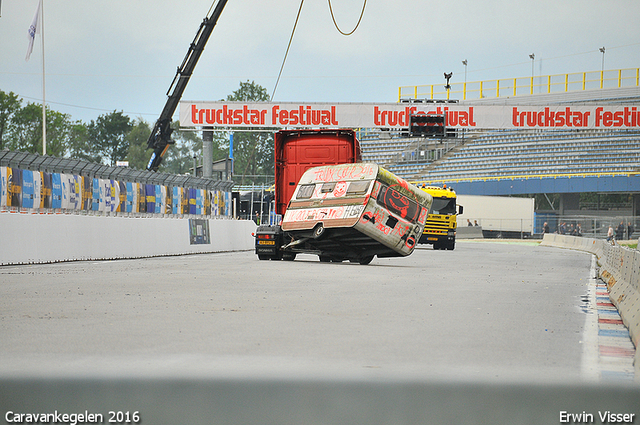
{"type": "Point", "coordinates": [625, 226]}
{"type": "Point", "coordinates": [51, 164]}
{"type": "Point", "coordinates": [510, 87]}
{"type": "Point", "coordinates": [524, 177]}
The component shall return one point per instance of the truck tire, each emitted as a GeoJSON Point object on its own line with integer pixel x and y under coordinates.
{"type": "Point", "coordinates": [263, 257]}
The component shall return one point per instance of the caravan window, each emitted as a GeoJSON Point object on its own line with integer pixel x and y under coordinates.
{"type": "Point", "coordinates": [358, 188]}
{"type": "Point", "coordinates": [305, 191]}
{"type": "Point", "coordinates": [328, 187]}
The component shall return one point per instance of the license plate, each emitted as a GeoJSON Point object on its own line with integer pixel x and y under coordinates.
{"type": "Point", "coordinates": [266, 242]}
{"type": "Point", "coordinates": [432, 239]}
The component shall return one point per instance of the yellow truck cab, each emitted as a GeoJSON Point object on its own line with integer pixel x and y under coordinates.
{"type": "Point", "coordinates": [440, 227]}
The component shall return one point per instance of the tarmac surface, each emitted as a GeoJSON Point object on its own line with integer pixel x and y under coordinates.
{"type": "Point", "coordinates": [488, 310]}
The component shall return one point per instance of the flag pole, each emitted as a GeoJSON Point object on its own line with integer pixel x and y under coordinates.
{"type": "Point", "coordinates": [44, 104]}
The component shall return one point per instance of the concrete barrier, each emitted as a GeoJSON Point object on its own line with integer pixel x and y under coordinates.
{"type": "Point", "coordinates": [620, 270]}
{"type": "Point", "coordinates": [469, 232]}
{"type": "Point", "coordinates": [48, 238]}
{"type": "Point", "coordinates": [332, 400]}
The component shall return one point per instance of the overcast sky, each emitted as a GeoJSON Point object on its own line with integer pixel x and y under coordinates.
{"type": "Point", "coordinates": [106, 55]}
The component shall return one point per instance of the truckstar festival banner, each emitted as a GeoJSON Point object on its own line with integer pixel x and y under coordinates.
{"type": "Point", "coordinates": [396, 115]}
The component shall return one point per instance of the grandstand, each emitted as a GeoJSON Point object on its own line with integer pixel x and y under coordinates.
{"type": "Point", "coordinates": [510, 153]}
{"type": "Point", "coordinates": [527, 162]}
{"type": "Point", "coordinates": [498, 154]}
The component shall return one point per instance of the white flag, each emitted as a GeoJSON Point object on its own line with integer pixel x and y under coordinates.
{"type": "Point", "coordinates": [33, 30]}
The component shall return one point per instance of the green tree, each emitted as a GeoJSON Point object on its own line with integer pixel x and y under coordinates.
{"type": "Point", "coordinates": [253, 151]}
{"type": "Point", "coordinates": [25, 130]}
{"type": "Point", "coordinates": [79, 145]}
{"type": "Point", "coordinates": [138, 155]}
{"type": "Point", "coordinates": [108, 134]}
{"type": "Point", "coordinates": [21, 127]}
{"type": "Point", "coordinates": [9, 105]}
{"type": "Point", "coordinates": [58, 133]}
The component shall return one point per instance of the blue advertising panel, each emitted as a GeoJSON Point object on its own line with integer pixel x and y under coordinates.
{"type": "Point", "coordinates": [122, 201]}
{"type": "Point", "coordinates": [130, 197]}
{"type": "Point", "coordinates": [15, 187]}
{"type": "Point", "coordinates": [95, 198]}
{"type": "Point", "coordinates": [192, 201]}
{"type": "Point", "coordinates": [158, 200]}
{"type": "Point", "coordinates": [175, 200]}
{"type": "Point", "coordinates": [56, 191]}
{"type": "Point", "coordinates": [199, 201]}
{"type": "Point", "coordinates": [150, 193]}
{"type": "Point", "coordinates": [27, 189]}
{"type": "Point", "coordinates": [46, 191]}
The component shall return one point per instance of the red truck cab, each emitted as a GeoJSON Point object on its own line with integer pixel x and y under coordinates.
{"type": "Point", "coordinates": [299, 150]}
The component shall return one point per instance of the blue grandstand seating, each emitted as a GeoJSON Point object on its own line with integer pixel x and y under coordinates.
{"type": "Point", "coordinates": [513, 153]}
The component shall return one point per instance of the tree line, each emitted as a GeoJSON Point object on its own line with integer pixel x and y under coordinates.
{"type": "Point", "coordinates": [114, 136]}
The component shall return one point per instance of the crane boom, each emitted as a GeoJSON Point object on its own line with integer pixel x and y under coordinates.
{"type": "Point", "coordinates": [160, 137]}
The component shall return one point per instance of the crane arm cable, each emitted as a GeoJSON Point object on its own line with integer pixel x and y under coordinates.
{"type": "Point", "coordinates": [273, 93]}
{"type": "Point", "coordinates": [357, 25]}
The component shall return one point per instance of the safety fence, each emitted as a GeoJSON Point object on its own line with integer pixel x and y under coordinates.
{"type": "Point", "coordinates": [623, 227]}
{"type": "Point", "coordinates": [32, 183]}
{"type": "Point", "coordinates": [620, 270]}
{"type": "Point", "coordinates": [508, 87]}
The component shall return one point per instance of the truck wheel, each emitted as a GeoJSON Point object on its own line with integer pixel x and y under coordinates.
{"type": "Point", "coordinates": [324, 258]}
{"type": "Point", "coordinates": [451, 245]}
{"type": "Point", "coordinates": [365, 260]}
{"type": "Point", "coordinates": [263, 257]}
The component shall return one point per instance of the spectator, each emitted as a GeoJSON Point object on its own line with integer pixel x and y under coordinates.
{"type": "Point", "coordinates": [620, 231]}
{"type": "Point", "coordinates": [610, 234]}
{"type": "Point", "coordinates": [475, 222]}
{"type": "Point", "coordinates": [545, 228]}
{"type": "Point", "coordinates": [630, 230]}
{"type": "Point", "coordinates": [469, 223]}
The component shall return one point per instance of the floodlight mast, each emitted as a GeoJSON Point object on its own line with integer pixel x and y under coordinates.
{"type": "Point", "coordinates": [160, 137]}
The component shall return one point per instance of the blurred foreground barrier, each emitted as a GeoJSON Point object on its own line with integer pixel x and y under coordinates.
{"type": "Point", "coordinates": [48, 238]}
{"type": "Point", "coordinates": [294, 401]}
{"type": "Point", "coordinates": [620, 270]}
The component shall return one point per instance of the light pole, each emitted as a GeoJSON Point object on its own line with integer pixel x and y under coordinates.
{"type": "Point", "coordinates": [464, 88]}
{"type": "Point", "coordinates": [602, 50]}
{"type": "Point", "coordinates": [447, 87]}
{"type": "Point", "coordinates": [532, 56]}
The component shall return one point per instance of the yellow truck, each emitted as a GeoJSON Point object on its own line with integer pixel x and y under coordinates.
{"type": "Point", "coordinates": [440, 227]}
